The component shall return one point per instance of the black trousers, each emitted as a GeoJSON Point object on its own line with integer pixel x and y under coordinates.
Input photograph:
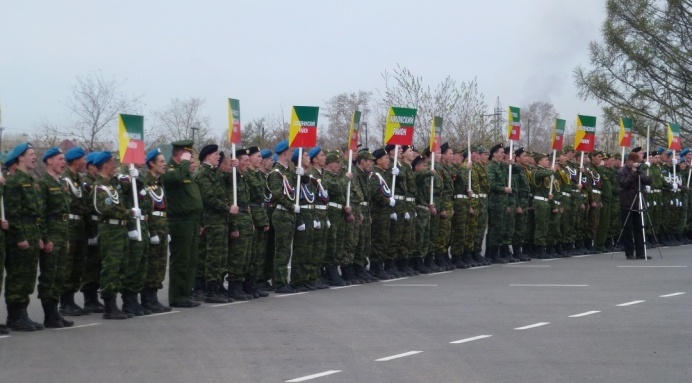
{"type": "Point", "coordinates": [632, 235]}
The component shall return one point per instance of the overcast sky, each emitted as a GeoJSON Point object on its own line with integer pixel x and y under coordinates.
{"type": "Point", "coordinates": [275, 54]}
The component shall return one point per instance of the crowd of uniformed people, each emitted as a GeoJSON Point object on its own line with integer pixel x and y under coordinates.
{"type": "Point", "coordinates": [236, 227]}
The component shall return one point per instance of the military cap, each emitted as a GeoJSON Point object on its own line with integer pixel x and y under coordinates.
{"type": "Point", "coordinates": [389, 148]}
{"type": "Point", "coordinates": [11, 158]}
{"type": "Point", "coordinates": [21, 148]}
{"type": "Point", "coordinates": [378, 153]}
{"type": "Point", "coordinates": [653, 153]}
{"type": "Point", "coordinates": [207, 150]}
{"type": "Point", "coordinates": [426, 152]}
{"type": "Point", "coordinates": [333, 157]}
{"type": "Point", "coordinates": [636, 149]}
{"type": "Point", "coordinates": [404, 148]}
{"type": "Point", "coordinates": [684, 152]}
{"type": "Point", "coordinates": [519, 152]}
{"type": "Point", "coordinates": [74, 153]}
{"type": "Point", "coordinates": [538, 156]}
{"type": "Point", "coordinates": [595, 153]}
{"type": "Point", "coordinates": [184, 144]}
{"type": "Point", "coordinates": [660, 149]}
{"type": "Point", "coordinates": [242, 152]}
{"type": "Point", "coordinates": [102, 157]}
{"type": "Point", "coordinates": [151, 156]}
{"type": "Point", "coordinates": [617, 156]}
{"type": "Point", "coordinates": [479, 149]}
{"type": "Point", "coordinates": [607, 156]}
{"type": "Point", "coordinates": [444, 147]}
{"type": "Point", "coordinates": [252, 150]}
{"type": "Point", "coordinates": [567, 148]}
{"type": "Point", "coordinates": [365, 154]}
{"type": "Point", "coordinates": [465, 154]}
{"type": "Point", "coordinates": [506, 150]}
{"type": "Point", "coordinates": [281, 147]}
{"type": "Point", "coordinates": [669, 153]}
{"type": "Point", "coordinates": [275, 158]}
{"type": "Point", "coordinates": [495, 148]}
{"type": "Point", "coordinates": [51, 152]}
{"type": "Point", "coordinates": [90, 157]}
{"type": "Point", "coordinates": [222, 155]}
{"type": "Point", "coordinates": [314, 152]}
{"type": "Point", "coordinates": [265, 153]}
{"type": "Point", "coordinates": [416, 161]}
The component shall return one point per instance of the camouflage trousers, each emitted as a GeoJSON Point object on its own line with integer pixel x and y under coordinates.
{"type": "Point", "coordinates": [92, 265]}
{"type": "Point", "coordinates": [239, 257]}
{"type": "Point", "coordinates": [53, 265]}
{"type": "Point", "coordinates": [498, 220]}
{"type": "Point", "coordinates": [541, 219]}
{"type": "Point", "coordinates": [380, 234]}
{"type": "Point", "coordinates": [459, 227]}
{"type": "Point", "coordinates": [216, 236]}
{"type": "Point", "coordinates": [481, 222]}
{"type": "Point", "coordinates": [113, 247]}
{"type": "Point", "coordinates": [520, 222]}
{"type": "Point", "coordinates": [319, 247]}
{"type": "Point", "coordinates": [364, 246]}
{"type": "Point", "coordinates": [157, 257]}
{"type": "Point", "coordinates": [76, 257]}
{"type": "Point", "coordinates": [444, 229]}
{"type": "Point", "coordinates": [284, 228]}
{"type": "Point", "coordinates": [604, 225]}
{"type": "Point", "coordinates": [351, 235]}
{"type": "Point", "coordinates": [136, 263]}
{"type": "Point", "coordinates": [21, 267]}
{"type": "Point", "coordinates": [555, 226]}
{"type": "Point", "coordinates": [422, 232]}
{"type": "Point", "coordinates": [259, 253]}
{"type": "Point", "coordinates": [396, 230]}
{"type": "Point", "coordinates": [302, 247]}
{"type": "Point", "coordinates": [334, 252]}
{"type": "Point", "coordinates": [408, 234]}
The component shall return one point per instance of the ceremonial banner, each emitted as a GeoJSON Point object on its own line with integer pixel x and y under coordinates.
{"type": "Point", "coordinates": [558, 134]}
{"type": "Point", "coordinates": [585, 136]}
{"type": "Point", "coordinates": [514, 123]}
{"type": "Point", "coordinates": [353, 132]}
{"type": "Point", "coordinates": [131, 139]}
{"type": "Point", "coordinates": [234, 121]}
{"type": "Point", "coordinates": [399, 127]}
{"type": "Point", "coordinates": [435, 134]}
{"type": "Point", "coordinates": [625, 137]}
{"type": "Point", "coordinates": [674, 141]}
{"type": "Point", "coordinates": [303, 128]}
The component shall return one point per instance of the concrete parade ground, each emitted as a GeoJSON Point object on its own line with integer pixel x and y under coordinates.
{"type": "Point", "coordinates": [580, 319]}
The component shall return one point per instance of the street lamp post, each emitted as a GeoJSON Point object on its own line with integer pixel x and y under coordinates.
{"type": "Point", "coordinates": [365, 124]}
{"type": "Point", "coordinates": [194, 129]}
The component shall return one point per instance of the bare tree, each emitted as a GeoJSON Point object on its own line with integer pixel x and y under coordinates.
{"type": "Point", "coordinates": [95, 105]}
{"type": "Point", "coordinates": [181, 119]}
{"type": "Point", "coordinates": [537, 121]}
{"type": "Point", "coordinates": [339, 112]}
{"type": "Point", "coordinates": [469, 117]}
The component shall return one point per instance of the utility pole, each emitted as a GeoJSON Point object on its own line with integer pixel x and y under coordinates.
{"type": "Point", "coordinates": [365, 124]}
{"type": "Point", "coordinates": [194, 129]}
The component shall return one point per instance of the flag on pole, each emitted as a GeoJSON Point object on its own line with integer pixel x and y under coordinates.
{"type": "Point", "coordinates": [585, 137]}
{"type": "Point", "coordinates": [353, 132]}
{"type": "Point", "coordinates": [435, 134]}
{"type": "Point", "coordinates": [674, 141]}
{"type": "Point", "coordinates": [625, 137]}
{"type": "Point", "coordinates": [131, 139]}
{"type": "Point", "coordinates": [514, 123]}
{"type": "Point", "coordinates": [558, 134]}
{"type": "Point", "coordinates": [234, 136]}
{"type": "Point", "coordinates": [303, 129]}
{"type": "Point", "coordinates": [399, 127]}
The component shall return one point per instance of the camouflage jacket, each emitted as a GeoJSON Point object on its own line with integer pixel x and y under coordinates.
{"type": "Point", "coordinates": [23, 205]}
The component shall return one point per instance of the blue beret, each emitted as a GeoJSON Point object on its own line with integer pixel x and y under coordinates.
{"type": "Point", "coordinates": [152, 154]}
{"type": "Point", "coordinates": [314, 152]}
{"type": "Point", "coordinates": [21, 148]}
{"type": "Point", "coordinates": [74, 153]}
{"type": "Point", "coordinates": [102, 157]}
{"type": "Point", "coordinates": [265, 153]}
{"type": "Point", "coordinates": [275, 158]}
{"type": "Point", "coordinates": [281, 147]}
{"type": "Point", "coordinates": [660, 150]}
{"type": "Point", "coordinates": [684, 152]}
{"type": "Point", "coordinates": [51, 152]}
{"type": "Point", "coordinates": [11, 158]}
{"type": "Point", "coordinates": [669, 153]}
{"type": "Point", "coordinates": [294, 157]}
{"type": "Point", "coordinates": [90, 157]}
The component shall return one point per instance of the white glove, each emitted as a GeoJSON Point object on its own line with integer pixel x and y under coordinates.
{"type": "Point", "coordinates": [93, 241]}
{"type": "Point", "coordinates": [655, 203]}
{"type": "Point", "coordinates": [329, 224]}
{"type": "Point", "coordinates": [647, 163]}
{"type": "Point", "coordinates": [136, 212]}
{"type": "Point", "coordinates": [300, 171]}
{"type": "Point", "coordinates": [134, 172]}
{"type": "Point", "coordinates": [154, 240]}
{"type": "Point", "coordinates": [395, 171]}
{"type": "Point", "coordinates": [675, 186]}
{"type": "Point", "coordinates": [392, 202]}
{"type": "Point", "coordinates": [671, 203]}
{"type": "Point", "coordinates": [407, 216]}
{"type": "Point", "coordinates": [392, 216]}
{"type": "Point", "coordinates": [296, 209]}
{"type": "Point", "coordinates": [675, 161]}
{"type": "Point", "coordinates": [316, 224]}
{"type": "Point", "coordinates": [301, 227]}
{"type": "Point", "coordinates": [679, 203]}
{"type": "Point", "coordinates": [169, 238]}
{"type": "Point", "coordinates": [186, 156]}
{"type": "Point", "coordinates": [648, 189]}
{"type": "Point", "coordinates": [132, 235]}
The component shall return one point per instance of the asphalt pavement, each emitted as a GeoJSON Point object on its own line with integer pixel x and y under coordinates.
{"type": "Point", "coordinates": [580, 319]}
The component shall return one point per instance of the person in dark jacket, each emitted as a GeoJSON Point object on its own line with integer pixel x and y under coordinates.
{"type": "Point", "coordinates": [631, 181]}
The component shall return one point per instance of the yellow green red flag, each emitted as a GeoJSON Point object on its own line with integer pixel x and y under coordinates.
{"type": "Point", "coordinates": [558, 134]}
{"type": "Point", "coordinates": [131, 139]}
{"type": "Point", "coordinates": [435, 134]}
{"type": "Point", "coordinates": [625, 136]}
{"type": "Point", "coordinates": [674, 141]}
{"type": "Point", "coordinates": [303, 129]}
{"type": "Point", "coordinates": [399, 127]}
{"type": "Point", "coordinates": [234, 136]}
{"type": "Point", "coordinates": [353, 131]}
{"type": "Point", "coordinates": [514, 123]}
{"type": "Point", "coordinates": [585, 136]}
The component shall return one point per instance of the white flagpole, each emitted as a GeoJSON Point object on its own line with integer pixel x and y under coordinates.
{"type": "Point", "coordinates": [622, 159]}
{"type": "Point", "coordinates": [511, 151]}
{"type": "Point", "coordinates": [552, 177]}
{"type": "Point", "coordinates": [348, 186]}
{"type": "Point", "coordinates": [432, 177]}
{"type": "Point", "coordinates": [468, 156]}
{"type": "Point", "coordinates": [581, 165]}
{"type": "Point", "coordinates": [396, 155]}
{"type": "Point", "coordinates": [133, 182]}
{"type": "Point", "coordinates": [648, 151]}
{"type": "Point", "coordinates": [235, 187]}
{"type": "Point", "coordinates": [300, 165]}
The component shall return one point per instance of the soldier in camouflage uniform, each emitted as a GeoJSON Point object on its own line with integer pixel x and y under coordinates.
{"type": "Point", "coordinates": [498, 204]}
{"type": "Point", "coordinates": [606, 201]}
{"type": "Point", "coordinates": [92, 265]}
{"type": "Point", "coordinates": [317, 274]}
{"type": "Point", "coordinates": [305, 227]}
{"type": "Point", "coordinates": [382, 212]}
{"type": "Point", "coordinates": [280, 183]}
{"type": "Point", "coordinates": [564, 188]}
{"type": "Point", "coordinates": [353, 250]}
{"type": "Point", "coordinates": [336, 187]}
{"type": "Point", "coordinates": [432, 261]}
{"type": "Point", "coordinates": [541, 203]}
{"type": "Point", "coordinates": [475, 215]}
{"type": "Point", "coordinates": [256, 183]}
{"type": "Point", "coordinates": [481, 193]}
{"type": "Point", "coordinates": [522, 191]}
{"type": "Point", "coordinates": [461, 256]}
{"type": "Point", "coordinates": [53, 257]}
{"type": "Point", "coordinates": [24, 211]}
{"type": "Point", "coordinates": [364, 246]}
{"type": "Point", "coordinates": [654, 198]}
{"type": "Point", "coordinates": [423, 211]}
{"type": "Point", "coordinates": [397, 252]}
{"type": "Point", "coordinates": [158, 232]}
{"type": "Point", "coordinates": [441, 239]}
{"type": "Point", "coordinates": [265, 248]}
{"type": "Point", "coordinates": [9, 160]}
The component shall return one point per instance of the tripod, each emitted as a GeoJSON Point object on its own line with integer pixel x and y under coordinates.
{"type": "Point", "coordinates": [643, 210]}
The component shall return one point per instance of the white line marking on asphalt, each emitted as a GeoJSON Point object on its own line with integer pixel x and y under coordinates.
{"type": "Point", "coordinates": [582, 256]}
{"type": "Point", "coordinates": [479, 267]}
{"type": "Point", "coordinates": [662, 267]}
{"type": "Point", "coordinates": [228, 304]}
{"type": "Point", "coordinates": [395, 279]}
{"type": "Point", "coordinates": [470, 339]}
{"type": "Point", "coordinates": [671, 295]}
{"type": "Point", "coordinates": [397, 356]}
{"type": "Point", "coordinates": [546, 285]}
{"type": "Point", "coordinates": [539, 324]}
{"type": "Point", "coordinates": [80, 326]}
{"type": "Point", "coordinates": [584, 314]}
{"type": "Point", "coordinates": [409, 285]}
{"type": "Point", "coordinates": [629, 303]}
{"type": "Point", "coordinates": [440, 273]}
{"type": "Point", "coordinates": [527, 265]}
{"type": "Point", "coordinates": [343, 287]}
{"type": "Point", "coordinates": [158, 314]}
{"type": "Point", "coordinates": [289, 295]}
{"type": "Point", "coordinates": [5, 336]}
{"type": "Point", "coordinates": [313, 376]}
{"type": "Point", "coordinates": [550, 259]}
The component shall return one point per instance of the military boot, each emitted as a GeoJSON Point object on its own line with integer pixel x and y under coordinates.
{"type": "Point", "coordinates": [235, 289]}
{"type": "Point", "coordinates": [459, 262]}
{"type": "Point", "coordinates": [334, 277]}
{"type": "Point", "coordinates": [91, 302]}
{"type": "Point", "coordinates": [17, 318]}
{"type": "Point", "coordinates": [390, 269]}
{"type": "Point", "coordinates": [419, 266]}
{"type": "Point", "coordinates": [148, 301]}
{"type": "Point", "coordinates": [68, 307]}
{"type": "Point", "coordinates": [111, 310]}
{"type": "Point", "coordinates": [494, 252]}
{"type": "Point", "coordinates": [199, 295]}
{"type": "Point", "coordinates": [506, 253]}
{"type": "Point", "coordinates": [155, 300]}
{"type": "Point", "coordinates": [346, 274]}
{"type": "Point", "coordinates": [213, 293]}
{"type": "Point", "coordinates": [519, 253]}
{"type": "Point", "coordinates": [408, 264]}
{"type": "Point", "coordinates": [4, 330]}
{"type": "Point", "coordinates": [379, 272]}
{"type": "Point", "coordinates": [129, 305]}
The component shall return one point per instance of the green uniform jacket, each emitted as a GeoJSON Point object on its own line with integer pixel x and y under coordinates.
{"type": "Point", "coordinates": [56, 206]}
{"type": "Point", "coordinates": [281, 182]}
{"type": "Point", "coordinates": [214, 197]}
{"type": "Point", "coordinates": [183, 195]}
{"type": "Point", "coordinates": [23, 205]}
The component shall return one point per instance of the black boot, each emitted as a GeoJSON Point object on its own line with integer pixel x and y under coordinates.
{"type": "Point", "coordinates": [199, 295]}
{"type": "Point", "coordinates": [18, 319]}
{"type": "Point", "coordinates": [91, 302]}
{"type": "Point", "coordinates": [334, 276]}
{"type": "Point", "coordinates": [155, 300]}
{"type": "Point", "coordinates": [459, 262]}
{"type": "Point", "coordinates": [4, 330]}
{"type": "Point", "coordinates": [68, 307]}
{"type": "Point", "coordinates": [540, 252]}
{"type": "Point", "coordinates": [519, 253]}
{"type": "Point", "coordinates": [494, 255]}
{"type": "Point", "coordinates": [419, 266]}
{"type": "Point", "coordinates": [506, 253]}
{"type": "Point", "coordinates": [130, 305]}
{"type": "Point", "coordinates": [390, 268]}
{"type": "Point", "coordinates": [235, 290]}
{"type": "Point", "coordinates": [212, 293]}
{"type": "Point", "coordinates": [148, 302]}
{"type": "Point", "coordinates": [550, 252]}
{"type": "Point", "coordinates": [111, 310]}
{"type": "Point", "coordinates": [431, 265]}
{"type": "Point", "coordinates": [408, 265]}
{"type": "Point", "coordinates": [51, 319]}
{"type": "Point", "coordinates": [378, 271]}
